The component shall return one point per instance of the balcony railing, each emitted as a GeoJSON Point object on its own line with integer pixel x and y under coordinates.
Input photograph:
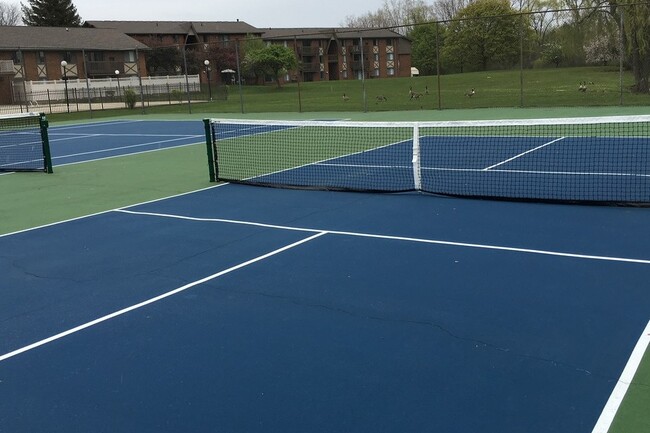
{"type": "Point", "coordinates": [308, 51]}
{"type": "Point", "coordinates": [310, 67]}
{"type": "Point", "coordinates": [105, 68]}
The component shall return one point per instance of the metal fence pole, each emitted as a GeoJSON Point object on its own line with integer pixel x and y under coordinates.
{"type": "Point", "coordinates": [90, 105]}
{"type": "Point", "coordinates": [438, 64]}
{"type": "Point", "coordinates": [241, 96]}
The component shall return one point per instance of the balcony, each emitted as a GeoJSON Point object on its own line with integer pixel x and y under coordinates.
{"type": "Point", "coordinates": [308, 51]}
{"type": "Point", "coordinates": [310, 67]}
{"type": "Point", "coordinates": [357, 66]}
{"type": "Point", "coordinates": [105, 68]}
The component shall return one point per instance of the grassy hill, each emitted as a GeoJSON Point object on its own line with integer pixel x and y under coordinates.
{"type": "Point", "coordinates": [541, 88]}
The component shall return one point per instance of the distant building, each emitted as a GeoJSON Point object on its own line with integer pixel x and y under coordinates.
{"type": "Point", "coordinates": [35, 53]}
{"type": "Point", "coordinates": [183, 33]}
{"type": "Point", "coordinates": [100, 48]}
{"type": "Point", "coordinates": [345, 54]}
{"type": "Point", "coordinates": [323, 53]}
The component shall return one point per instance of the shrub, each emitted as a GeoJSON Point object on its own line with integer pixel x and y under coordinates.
{"type": "Point", "coordinates": [130, 98]}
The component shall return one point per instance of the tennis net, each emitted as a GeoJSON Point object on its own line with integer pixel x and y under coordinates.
{"type": "Point", "coordinates": [24, 144]}
{"type": "Point", "coordinates": [593, 160]}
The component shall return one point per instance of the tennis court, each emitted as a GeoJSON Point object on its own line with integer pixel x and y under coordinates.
{"type": "Point", "coordinates": [240, 308]}
{"type": "Point", "coordinates": [583, 159]}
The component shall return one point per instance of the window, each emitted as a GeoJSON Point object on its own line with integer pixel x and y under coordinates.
{"type": "Point", "coordinates": [17, 57]}
{"type": "Point", "coordinates": [69, 57]}
{"type": "Point", "coordinates": [390, 71]}
{"type": "Point", "coordinates": [95, 56]}
{"type": "Point", "coordinates": [40, 57]}
{"type": "Point", "coordinates": [129, 56]}
{"type": "Point", "coordinates": [375, 72]}
{"type": "Point", "coordinates": [390, 57]}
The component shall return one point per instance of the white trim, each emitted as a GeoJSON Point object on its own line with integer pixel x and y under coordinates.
{"type": "Point", "coordinates": [415, 160]}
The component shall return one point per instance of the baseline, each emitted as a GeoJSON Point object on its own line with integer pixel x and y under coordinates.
{"type": "Point", "coordinates": [397, 238]}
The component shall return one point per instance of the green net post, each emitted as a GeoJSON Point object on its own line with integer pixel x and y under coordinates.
{"type": "Point", "coordinates": [212, 155]}
{"type": "Point", "coordinates": [47, 156]}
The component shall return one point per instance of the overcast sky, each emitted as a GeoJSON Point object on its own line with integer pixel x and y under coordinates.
{"type": "Point", "coordinates": [258, 13]}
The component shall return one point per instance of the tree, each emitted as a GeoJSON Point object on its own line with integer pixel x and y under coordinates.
{"type": "Point", "coordinates": [485, 34]}
{"type": "Point", "coordinates": [164, 60]}
{"type": "Point", "coordinates": [636, 38]}
{"type": "Point", "coordinates": [222, 56]}
{"type": "Point", "coordinates": [446, 10]}
{"type": "Point", "coordinates": [601, 50]}
{"type": "Point", "coordinates": [400, 15]}
{"type": "Point", "coordinates": [272, 60]}
{"type": "Point", "coordinates": [9, 14]}
{"type": "Point", "coordinates": [51, 13]}
{"type": "Point", "coordinates": [552, 54]}
{"type": "Point", "coordinates": [424, 49]}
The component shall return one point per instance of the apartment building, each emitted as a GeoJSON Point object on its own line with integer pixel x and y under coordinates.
{"type": "Point", "coordinates": [343, 53]}
{"type": "Point", "coordinates": [55, 53]}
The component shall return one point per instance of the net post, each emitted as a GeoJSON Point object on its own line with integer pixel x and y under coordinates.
{"type": "Point", "coordinates": [209, 143]}
{"type": "Point", "coordinates": [417, 170]}
{"type": "Point", "coordinates": [47, 156]}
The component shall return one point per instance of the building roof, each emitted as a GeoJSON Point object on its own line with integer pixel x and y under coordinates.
{"type": "Point", "coordinates": [175, 27]}
{"type": "Point", "coordinates": [327, 33]}
{"type": "Point", "coordinates": [224, 27]}
{"type": "Point", "coordinates": [61, 38]}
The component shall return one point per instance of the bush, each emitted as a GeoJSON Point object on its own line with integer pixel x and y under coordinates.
{"type": "Point", "coordinates": [130, 98]}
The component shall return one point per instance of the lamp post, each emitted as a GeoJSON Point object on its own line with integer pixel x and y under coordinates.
{"type": "Point", "coordinates": [64, 65]}
{"type": "Point", "coordinates": [119, 90]}
{"type": "Point", "coordinates": [207, 73]}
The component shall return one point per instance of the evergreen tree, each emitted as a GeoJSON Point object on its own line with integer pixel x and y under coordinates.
{"type": "Point", "coordinates": [52, 13]}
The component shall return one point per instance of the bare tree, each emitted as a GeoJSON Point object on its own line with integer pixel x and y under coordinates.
{"type": "Point", "coordinates": [400, 15]}
{"type": "Point", "coordinates": [446, 10]}
{"type": "Point", "coordinates": [9, 14]}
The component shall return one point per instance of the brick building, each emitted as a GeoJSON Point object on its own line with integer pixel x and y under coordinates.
{"type": "Point", "coordinates": [36, 53]}
{"type": "Point", "coordinates": [323, 53]}
{"type": "Point", "coordinates": [345, 54]}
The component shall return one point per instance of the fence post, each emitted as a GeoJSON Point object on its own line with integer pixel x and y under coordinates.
{"type": "Point", "coordinates": [49, 101]}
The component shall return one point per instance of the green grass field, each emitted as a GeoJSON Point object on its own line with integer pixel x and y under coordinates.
{"type": "Point", "coordinates": [31, 200]}
{"type": "Point", "coordinates": [542, 88]}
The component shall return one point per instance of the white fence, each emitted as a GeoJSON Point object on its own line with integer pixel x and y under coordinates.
{"type": "Point", "coordinates": [38, 90]}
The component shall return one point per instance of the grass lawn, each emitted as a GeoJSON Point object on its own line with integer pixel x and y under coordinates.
{"type": "Point", "coordinates": [542, 88]}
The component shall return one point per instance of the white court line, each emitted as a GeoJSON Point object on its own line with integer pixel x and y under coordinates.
{"type": "Point", "coordinates": [622, 385]}
{"type": "Point", "coordinates": [399, 238]}
{"type": "Point", "coordinates": [154, 299]}
{"type": "Point", "coordinates": [109, 210]}
{"type": "Point", "coordinates": [523, 153]}
{"type": "Point", "coordinates": [126, 147]}
{"type": "Point", "coordinates": [92, 125]}
{"type": "Point", "coordinates": [73, 134]}
{"type": "Point", "coordinates": [562, 173]}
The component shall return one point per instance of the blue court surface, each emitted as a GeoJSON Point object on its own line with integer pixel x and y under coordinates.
{"type": "Point", "coordinates": [245, 309]}
{"type": "Point", "coordinates": [72, 144]}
